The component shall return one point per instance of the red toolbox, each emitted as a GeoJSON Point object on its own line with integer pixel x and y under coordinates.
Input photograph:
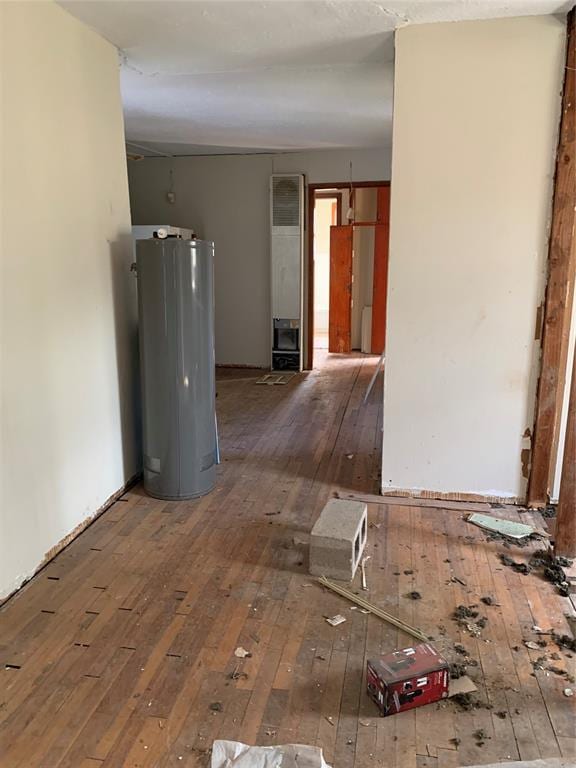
{"type": "Point", "coordinates": [408, 678]}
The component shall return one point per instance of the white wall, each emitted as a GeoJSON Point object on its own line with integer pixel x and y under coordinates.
{"type": "Point", "coordinates": [475, 132]}
{"type": "Point", "coordinates": [67, 312]}
{"type": "Point", "coordinates": [225, 199]}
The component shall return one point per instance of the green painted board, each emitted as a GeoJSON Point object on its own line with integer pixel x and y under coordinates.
{"type": "Point", "coordinates": [505, 527]}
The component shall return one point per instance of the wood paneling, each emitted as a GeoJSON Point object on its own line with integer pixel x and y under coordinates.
{"type": "Point", "coordinates": [559, 291]}
{"type": "Point", "coordinates": [340, 307]}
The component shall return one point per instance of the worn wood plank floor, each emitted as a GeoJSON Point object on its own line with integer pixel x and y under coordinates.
{"type": "Point", "coordinates": [113, 655]}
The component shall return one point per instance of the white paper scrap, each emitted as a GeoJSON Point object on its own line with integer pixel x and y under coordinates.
{"type": "Point", "coordinates": [234, 754]}
{"type": "Point", "coordinates": [335, 620]}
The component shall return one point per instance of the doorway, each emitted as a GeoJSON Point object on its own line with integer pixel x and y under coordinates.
{"type": "Point", "coordinates": [348, 226]}
{"type": "Point", "coordinates": [327, 214]}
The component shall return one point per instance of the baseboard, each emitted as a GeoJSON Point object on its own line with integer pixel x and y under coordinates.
{"type": "Point", "coordinates": [69, 538]}
{"type": "Point", "coordinates": [454, 496]}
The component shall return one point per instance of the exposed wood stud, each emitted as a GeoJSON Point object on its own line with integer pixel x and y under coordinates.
{"type": "Point", "coordinates": [565, 532]}
{"type": "Point", "coordinates": [559, 291]}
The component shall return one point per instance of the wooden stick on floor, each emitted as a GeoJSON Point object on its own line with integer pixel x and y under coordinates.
{"type": "Point", "coordinates": [418, 634]}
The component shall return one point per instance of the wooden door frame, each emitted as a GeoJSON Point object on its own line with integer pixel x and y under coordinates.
{"type": "Point", "coordinates": [312, 189]}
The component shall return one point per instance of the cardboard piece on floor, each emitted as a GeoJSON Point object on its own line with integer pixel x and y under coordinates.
{"type": "Point", "coordinates": [506, 527]}
{"type": "Point", "coordinates": [461, 685]}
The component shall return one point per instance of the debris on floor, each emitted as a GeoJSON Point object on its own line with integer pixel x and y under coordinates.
{"type": "Point", "coordinates": [487, 600]}
{"type": "Point", "coordinates": [522, 568]}
{"type": "Point", "coordinates": [480, 735]}
{"type": "Point", "coordinates": [236, 674]}
{"type": "Point", "coordinates": [417, 633]}
{"type": "Point", "coordinates": [414, 595]}
{"type": "Point", "coordinates": [552, 569]}
{"type": "Point", "coordinates": [468, 618]}
{"type": "Point", "coordinates": [461, 685]}
{"type": "Point", "coordinates": [234, 754]}
{"type": "Point", "coordinates": [407, 678]}
{"type": "Point", "coordinates": [242, 653]}
{"type": "Point", "coordinates": [216, 706]}
{"type": "Point", "coordinates": [507, 528]}
{"type": "Point", "coordinates": [363, 572]}
{"type": "Point", "coordinates": [564, 641]}
{"type": "Point", "coordinates": [335, 620]}
{"type": "Point", "coordinates": [273, 379]}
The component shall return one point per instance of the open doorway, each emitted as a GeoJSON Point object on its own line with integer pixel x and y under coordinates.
{"type": "Point", "coordinates": [327, 214]}
{"type": "Point", "coordinates": [348, 268]}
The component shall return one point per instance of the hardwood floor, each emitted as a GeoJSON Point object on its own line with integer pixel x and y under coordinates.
{"type": "Point", "coordinates": [121, 651]}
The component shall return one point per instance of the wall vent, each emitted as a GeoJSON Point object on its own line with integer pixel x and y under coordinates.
{"type": "Point", "coordinates": [286, 201]}
{"type": "Point", "coordinates": [287, 243]}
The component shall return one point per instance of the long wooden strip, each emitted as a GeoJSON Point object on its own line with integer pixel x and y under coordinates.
{"type": "Point", "coordinates": [412, 501]}
{"type": "Point", "coordinates": [373, 609]}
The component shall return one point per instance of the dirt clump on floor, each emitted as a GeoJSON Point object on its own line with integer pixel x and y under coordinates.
{"type": "Point", "coordinates": [564, 641]}
{"type": "Point", "coordinates": [522, 568]}
{"type": "Point", "coordinates": [457, 670]}
{"type": "Point", "coordinates": [552, 569]}
{"type": "Point", "coordinates": [463, 612]}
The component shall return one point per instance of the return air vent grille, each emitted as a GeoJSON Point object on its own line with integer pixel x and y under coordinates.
{"type": "Point", "coordinates": [286, 201]}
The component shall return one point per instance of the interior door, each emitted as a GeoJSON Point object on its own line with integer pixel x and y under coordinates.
{"type": "Point", "coordinates": [380, 275]}
{"type": "Point", "coordinates": [340, 305]}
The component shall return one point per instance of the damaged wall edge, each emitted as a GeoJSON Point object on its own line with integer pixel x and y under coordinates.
{"type": "Point", "coordinates": [490, 496]}
{"type": "Point", "coordinates": [71, 537]}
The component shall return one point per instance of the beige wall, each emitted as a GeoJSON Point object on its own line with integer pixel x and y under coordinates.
{"type": "Point", "coordinates": [475, 130]}
{"type": "Point", "coordinates": [67, 312]}
{"type": "Point", "coordinates": [225, 198]}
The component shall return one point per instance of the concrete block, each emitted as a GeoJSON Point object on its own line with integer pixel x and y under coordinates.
{"type": "Point", "coordinates": [338, 539]}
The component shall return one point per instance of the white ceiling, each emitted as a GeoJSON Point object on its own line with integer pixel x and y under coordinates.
{"type": "Point", "coordinates": [201, 77]}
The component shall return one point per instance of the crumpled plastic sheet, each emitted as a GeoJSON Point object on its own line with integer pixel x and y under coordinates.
{"type": "Point", "coordinates": [234, 754]}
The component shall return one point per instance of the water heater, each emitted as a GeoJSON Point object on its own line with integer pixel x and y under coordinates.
{"type": "Point", "coordinates": [176, 330]}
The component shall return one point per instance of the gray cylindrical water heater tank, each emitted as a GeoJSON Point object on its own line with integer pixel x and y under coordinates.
{"type": "Point", "coordinates": [176, 329]}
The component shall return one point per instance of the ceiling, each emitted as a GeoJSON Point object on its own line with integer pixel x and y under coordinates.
{"type": "Point", "coordinates": [240, 75]}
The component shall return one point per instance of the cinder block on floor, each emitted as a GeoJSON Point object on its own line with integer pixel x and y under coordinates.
{"type": "Point", "coordinates": [338, 539]}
